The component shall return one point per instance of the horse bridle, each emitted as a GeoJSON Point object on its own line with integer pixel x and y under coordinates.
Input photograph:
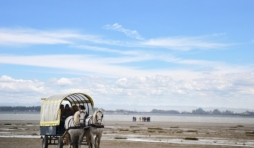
{"type": "Point", "coordinates": [101, 116]}
{"type": "Point", "coordinates": [82, 111]}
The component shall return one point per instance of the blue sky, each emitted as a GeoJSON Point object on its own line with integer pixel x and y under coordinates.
{"type": "Point", "coordinates": [136, 55]}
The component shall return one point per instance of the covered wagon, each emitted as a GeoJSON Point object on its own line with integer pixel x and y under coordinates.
{"type": "Point", "coordinates": [51, 128]}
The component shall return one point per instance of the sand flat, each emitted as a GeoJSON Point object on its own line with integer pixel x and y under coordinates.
{"type": "Point", "coordinates": [24, 133]}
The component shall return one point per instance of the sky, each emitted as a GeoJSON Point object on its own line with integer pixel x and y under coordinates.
{"type": "Point", "coordinates": [134, 55]}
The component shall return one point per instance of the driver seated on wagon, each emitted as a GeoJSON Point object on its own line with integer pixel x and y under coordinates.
{"type": "Point", "coordinates": [74, 109]}
{"type": "Point", "coordinates": [82, 107]}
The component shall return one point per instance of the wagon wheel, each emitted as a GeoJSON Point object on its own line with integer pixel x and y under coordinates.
{"type": "Point", "coordinates": [60, 142]}
{"type": "Point", "coordinates": [45, 142]}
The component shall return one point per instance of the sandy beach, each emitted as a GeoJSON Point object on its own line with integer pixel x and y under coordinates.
{"type": "Point", "coordinates": [26, 134]}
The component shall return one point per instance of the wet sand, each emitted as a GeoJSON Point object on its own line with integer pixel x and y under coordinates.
{"type": "Point", "coordinates": [26, 134]}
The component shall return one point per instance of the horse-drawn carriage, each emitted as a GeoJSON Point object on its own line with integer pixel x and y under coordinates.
{"type": "Point", "coordinates": [50, 116]}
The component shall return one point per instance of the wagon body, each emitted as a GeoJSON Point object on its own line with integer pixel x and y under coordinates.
{"type": "Point", "coordinates": [50, 115]}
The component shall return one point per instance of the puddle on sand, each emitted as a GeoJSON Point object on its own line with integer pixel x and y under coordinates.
{"type": "Point", "coordinates": [20, 136]}
{"type": "Point", "coordinates": [5, 132]}
{"type": "Point", "coordinates": [219, 142]}
{"type": "Point", "coordinates": [30, 125]}
{"type": "Point", "coordinates": [6, 129]}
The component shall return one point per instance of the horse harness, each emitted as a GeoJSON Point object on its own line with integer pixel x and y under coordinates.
{"type": "Point", "coordinates": [75, 125]}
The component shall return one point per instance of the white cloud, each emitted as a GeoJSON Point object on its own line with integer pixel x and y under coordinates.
{"type": "Point", "coordinates": [114, 80]}
{"type": "Point", "coordinates": [112, 67]}
{"type": "Point", "coordinates": [157, 90]}
{"type": "Point", "coordinates": [65, 81]}
{"type": "Point", "coordinates": [75, 63]}
{"type": "Point", "coordinates": [103, 49]}
{"type": "Point", "coordinates": [127, 32]}
{"type": "Point", "coordinates": [183, 43]}
{"type": "Point", "coordinates": [20, 91]}
{"type": "Point", "coordinates": [208, 90]}
{"type": "Point", "coordinates": [20, 36]}
{"type": "Point", "coordinates": [11, 85]}
{"type": "Point", "coordinates": [8, 37]}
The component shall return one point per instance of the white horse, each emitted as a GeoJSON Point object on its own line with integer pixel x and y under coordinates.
{"type": "Point", "coordinates": [75, 129]}
{"type": "Point", "coordinates": [95, 121]}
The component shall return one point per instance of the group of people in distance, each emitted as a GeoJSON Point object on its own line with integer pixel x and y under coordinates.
{"type": "Point", "coordinates": [141, 119]}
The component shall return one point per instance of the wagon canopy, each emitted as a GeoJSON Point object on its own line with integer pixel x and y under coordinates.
{"type": "Point", "coordinates": [50, 112]}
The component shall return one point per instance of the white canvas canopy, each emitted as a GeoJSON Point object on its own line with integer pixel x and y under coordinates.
{"type": "Point", "coordinates": [50, 108]}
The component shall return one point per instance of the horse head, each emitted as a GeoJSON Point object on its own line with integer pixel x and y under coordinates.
{"type": "Point", "coordinates": [98, 117]}
{"type": "Point", "coordinates": [80, 117]}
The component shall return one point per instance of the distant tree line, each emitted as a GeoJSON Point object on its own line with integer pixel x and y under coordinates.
{"type": "Point", "coordinates": [19, 108]}
{"type": "Point", "coordinates": [214, 112]}
{"type": "Point", "coordinates": [165, 111]}
{"type": "Point", "coordinates": [200, 111]}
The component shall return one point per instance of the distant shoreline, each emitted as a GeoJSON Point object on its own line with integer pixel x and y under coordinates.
{"type": "Point", "coordinates": [19, 112]}
{"type": "Point", "coordinates": [198, 111]}
{"type": "Point", "coordinates": [142, 113]}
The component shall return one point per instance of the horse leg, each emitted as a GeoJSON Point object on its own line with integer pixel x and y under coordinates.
{"type": "Point", "coordinates": [95, 141]}
{"type": "Point", "coordinates": [89, 139]}
{"type": "Point", "coordinates": [77, 145]}
{"type": "Point", "coordinates": [99, 141]}
{"type": "Point", "coordinates": [81, 139]}
{"type": "Point", "coordinates": [88, 142]}
{"type": "Point", "coordinates": [70, 142]}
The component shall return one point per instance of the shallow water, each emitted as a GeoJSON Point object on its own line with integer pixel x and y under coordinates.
{"type": "Point", "coordinates": [154, 118]}
{"type": "Point", "coordinates": [170, 139]}
{"type": "Point", "coordinates": [185, 118]}
{"type": "Point", "coordinates": [12, 116]}
{"type": "Point", "coordinates": [199, 142]}
{"type": "Point", "coordinates": [19, 136]}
